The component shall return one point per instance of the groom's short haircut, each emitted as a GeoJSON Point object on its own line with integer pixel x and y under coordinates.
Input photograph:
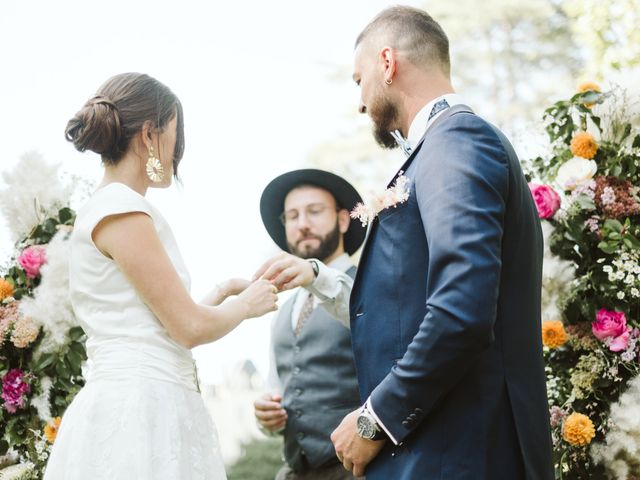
{"type": "Point", "coordinates": [413, 32]}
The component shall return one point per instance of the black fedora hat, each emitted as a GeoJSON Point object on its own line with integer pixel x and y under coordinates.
{"type": "Point", "coordinates": [272, 203]}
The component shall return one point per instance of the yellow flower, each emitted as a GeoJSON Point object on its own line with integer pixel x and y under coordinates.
{"type": "Point", "coordinates": [553, 334]}
{"type": "Point", "coordinates": [589, 87]}
{"type": "Point", "coordinates": [578, 429]}
{"type": "Point", "coordinates": [6, 289]}
{"type": "Point", "coordinates": [584, 145]}
{"type": "Point", "coordinates": [51, 429]}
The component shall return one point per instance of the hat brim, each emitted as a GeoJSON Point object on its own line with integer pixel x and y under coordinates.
{"type": "Point", "coordinates": [272, 203]}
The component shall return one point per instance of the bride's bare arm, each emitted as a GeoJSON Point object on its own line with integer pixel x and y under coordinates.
{"type": "Point", "coordinates": [132, 242]}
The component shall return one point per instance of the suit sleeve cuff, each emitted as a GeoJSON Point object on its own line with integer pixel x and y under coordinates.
{"type": "Point", "coordinates": [377, 419]}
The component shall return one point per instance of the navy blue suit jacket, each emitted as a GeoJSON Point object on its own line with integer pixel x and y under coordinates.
{"type": "Point", "coordinates": [445, 315]}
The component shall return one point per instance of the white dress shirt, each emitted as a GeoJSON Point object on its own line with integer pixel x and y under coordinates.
{"type": "Point", "coordinates": [422, 122]}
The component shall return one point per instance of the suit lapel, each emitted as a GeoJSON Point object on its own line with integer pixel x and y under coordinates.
{"type": "Point", "coordinates": [403, 168]}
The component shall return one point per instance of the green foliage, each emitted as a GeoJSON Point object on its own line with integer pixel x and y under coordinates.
{"type": "Point", "coordinates": [261, 460]}
{"type": "Point", "coordinates": [598, 231]}
{"type": "Point", "coordinates": [22, 431]}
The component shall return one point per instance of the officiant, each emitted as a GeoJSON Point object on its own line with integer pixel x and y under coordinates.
{"type": "Point", "coordinates": [312, 381]}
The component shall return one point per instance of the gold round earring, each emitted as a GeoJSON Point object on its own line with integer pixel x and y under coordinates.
{"type": "Point", "coordinates": [388, 81]}
{"type": "Point", "coordinates": [155, 172]}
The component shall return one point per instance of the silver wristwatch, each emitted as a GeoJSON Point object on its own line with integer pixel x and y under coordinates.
{"type": "Point", "coordinates": [367, 427]}
{"type": "Point", "coordinates": [315, 267]}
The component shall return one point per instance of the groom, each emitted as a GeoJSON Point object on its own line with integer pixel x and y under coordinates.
{"type": "Point", "coordinates": [445, 309]}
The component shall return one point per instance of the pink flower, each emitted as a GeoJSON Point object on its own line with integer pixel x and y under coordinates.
{"type": "Point", "coordinates": [14, 388]}
{"type": "Point", "coordinates": [546, 199]}
{"type": "Point", "coordinates": [611, 327]}
{"type": "Point", "coordinates": [31, 259]}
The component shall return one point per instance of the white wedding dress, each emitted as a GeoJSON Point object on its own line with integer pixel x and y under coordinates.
{"type": "Point", "coordinates": [140, 415]}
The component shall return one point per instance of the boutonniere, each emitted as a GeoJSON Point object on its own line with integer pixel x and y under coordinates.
{"type": "Point", "coordinates": [392, 197]}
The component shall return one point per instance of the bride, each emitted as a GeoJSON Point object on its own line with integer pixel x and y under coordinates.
{"type": "Point", "coordinates": [140, 415]}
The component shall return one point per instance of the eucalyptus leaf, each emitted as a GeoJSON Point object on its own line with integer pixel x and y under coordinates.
{"type": "Point", "coordinates": [612, 224]}
{"type": "Point", "coordinates": [76, 333]}
{"type": "Point", "coordinates": [607, 248]}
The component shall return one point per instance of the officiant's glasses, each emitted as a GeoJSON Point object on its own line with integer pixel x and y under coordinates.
{"type": "Point", "coordinates": [313, 212]}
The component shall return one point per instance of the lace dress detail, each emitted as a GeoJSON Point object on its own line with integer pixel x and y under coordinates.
{"type": "Point", "coordinates": [140, 415]}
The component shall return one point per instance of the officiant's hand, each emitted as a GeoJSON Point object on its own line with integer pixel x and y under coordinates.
{"type": "Point", "coordinates": [286, 271]}
{"type": "Point", "coordinates": [269, 412]}
{"type": "Point", "coordinates": [354, 452]}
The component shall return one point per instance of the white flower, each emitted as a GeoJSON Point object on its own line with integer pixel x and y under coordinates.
{"type": "Point", "coordinates": [635, 292]}
{"type": "Point", "coordinates": [21, 471]}
{"type": "Point", "coordinates": [607, 269]}
{"type": "Point", "coordinates": [621, 448]}
{"type": "Point", "coordinates": [608, 196]}
{"type": "Point", "coordinates": [574, 172]}
{"type": "Point", "coordinates": [41, 402]}
{"type": "Point", "coordinates": [557, 276]}
{"type": "Point", "coordinates": [33, 192]}
{"type": "Point", "coordinates": [51, 304]}
{"type": "Point", "coordinates": [629, 279]}
{"type": "Point", "coordinates": [620, 295]}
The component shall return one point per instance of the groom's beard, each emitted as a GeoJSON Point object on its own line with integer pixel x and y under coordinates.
{"type": "Point", "coordinates": [384, 115]}
{"type": "Point", "coordinates": [328, 245]}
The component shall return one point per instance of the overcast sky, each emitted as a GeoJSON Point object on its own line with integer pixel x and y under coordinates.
{"type": "Point", "coordinates": [262, 83]}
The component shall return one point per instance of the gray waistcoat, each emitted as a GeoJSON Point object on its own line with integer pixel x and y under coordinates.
{"type": "Point", "coordinates": [318, 376]}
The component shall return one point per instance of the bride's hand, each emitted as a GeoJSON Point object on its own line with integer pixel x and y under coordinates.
{"type": "Point", "coordinates": [233, 286]}
{"type": "Point", "coordinates": [260, 297]}
{"type": "Point", "coordinates": [230, 287]}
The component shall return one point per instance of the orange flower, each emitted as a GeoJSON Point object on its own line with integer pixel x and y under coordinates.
{"type": "Point", "coordinates": [589, 87]}
{"type": "Point", "coordinates": [553, 334]}
{"type": "Point", "coordinates": [584, 145]}
{"type": "Point", "coordinates": [51, 429]}
{"type": "Point", "coordinates": [578, 429]}
{"type": "Point", "coordinates": [6, 289]}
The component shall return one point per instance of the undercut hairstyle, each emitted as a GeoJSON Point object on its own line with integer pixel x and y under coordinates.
{"type": "Point", "coordinates": [413, 32]}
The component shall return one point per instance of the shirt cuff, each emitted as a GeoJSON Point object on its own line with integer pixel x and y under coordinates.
{"type": "Point", "coordinates": [373, 414]}
{"type": "Point", "coordinates": [324, 285]}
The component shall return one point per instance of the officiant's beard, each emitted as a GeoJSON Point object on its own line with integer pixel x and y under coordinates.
{"type": "Point", "coordinates": [384, 114]}
{"type": "Point", "coordinates": [328, 245]}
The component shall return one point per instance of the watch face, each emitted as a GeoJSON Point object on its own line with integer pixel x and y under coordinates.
{"type": "Point", "coordinates": [365, 427]}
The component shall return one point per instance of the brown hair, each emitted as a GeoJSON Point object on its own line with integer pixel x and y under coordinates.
{"type": "Point", "coordinates": [413, 31]}
{"type": "Point", "coordinates": [123, 104]}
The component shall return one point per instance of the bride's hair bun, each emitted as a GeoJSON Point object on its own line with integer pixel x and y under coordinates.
{"type": "Point", "coordinates": [124, 104]}
{"type": "Point", "coordinates": [97, 127]}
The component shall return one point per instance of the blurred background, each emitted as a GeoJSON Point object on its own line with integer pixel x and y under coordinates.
{"type": "Point", "coordinates": [266, 87]}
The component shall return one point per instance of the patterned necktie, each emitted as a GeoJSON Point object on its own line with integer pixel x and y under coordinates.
{"type": "Point", "coordinates": [305, 313]}
{"type": "Point", "coordinates": [438, 107]}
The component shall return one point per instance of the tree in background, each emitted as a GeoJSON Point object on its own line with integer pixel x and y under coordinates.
{"type": "Point", "coordinates": [509, 60]}
{"type": "Point", "coordinates": [607, 31]}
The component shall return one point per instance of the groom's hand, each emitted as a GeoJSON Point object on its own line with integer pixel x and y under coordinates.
{"type": "Point", "coordinates": [269, 412]}
{"type": "Point", "coordinates": [354, 452]}
{"type": "Point", "coordinates": [286, 271]}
